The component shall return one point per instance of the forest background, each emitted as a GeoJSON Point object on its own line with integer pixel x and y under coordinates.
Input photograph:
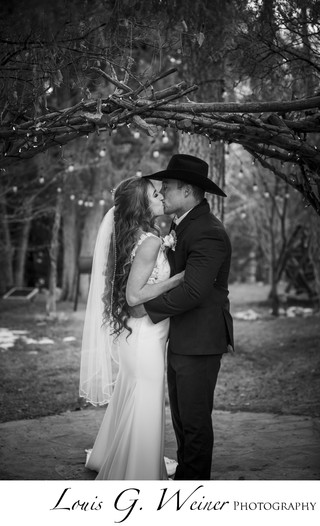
{"type": "Point", "coordinates": [56, 56]}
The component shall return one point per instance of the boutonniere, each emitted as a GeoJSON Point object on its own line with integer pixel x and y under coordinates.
{"type": "Point", "coordinates": [170, 240]}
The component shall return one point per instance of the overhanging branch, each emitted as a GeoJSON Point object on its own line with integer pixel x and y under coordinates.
{"type": "Point", "coordinates": [280, 130]}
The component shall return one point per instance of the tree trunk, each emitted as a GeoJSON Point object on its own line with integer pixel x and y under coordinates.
{"type": "Point", "coordinates": [314, 251]}
{"type": "Point", "coordinates": [6, 249]}
{"type": "Point", "coordinates": [23, 242]}
{"type": "Point", "coordinates": [273, 294]}
{"type": "Point", "coordinates": [309, 79]}
{"type": "Point", "coordinates": [51, 306]}
{"type": "Point", "coordinates": [91, 227]}
{"type": "Point", "coordinates": [70, 243]}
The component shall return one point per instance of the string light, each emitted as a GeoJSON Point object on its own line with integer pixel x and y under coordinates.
{"type": "Point", "coordinates": [240, 173]}
{"type": "Point", "coordinates": [15, 189]}
{"type": "Point", "coordinates": [101, 202]}
{"type": "Point", "coordinates": [72, 197]}
{"type": "Point", "coordinates": [266, 195]}
{"type": "Point", "coordinates": [70, 168]}
{"type": "Point", "coordinates": [136, 134]}
{"type": "Point", "coordinates": [255, 187]}
{"type": "Point", "coordinates": [59, 190]}
{"type": "Point", "coordinates": [103, 152]}
{"type": "Point", "coordinates": [41, 179]}
{"type": "Point", "coordinates": [156, 154]}
{"type": "Point", "coordinates": [138, 173]}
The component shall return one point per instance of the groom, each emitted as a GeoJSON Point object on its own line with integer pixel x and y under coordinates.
{"type": "Point", "coordinates": [201, 327]}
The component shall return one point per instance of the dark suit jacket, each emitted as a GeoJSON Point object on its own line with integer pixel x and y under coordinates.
{"type": "Point", "coordinates": [200, 321]}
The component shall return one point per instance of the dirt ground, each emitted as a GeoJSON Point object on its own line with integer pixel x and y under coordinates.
{"type": "Point", "coordinates": [267, 403]}
{"type": "Point", "coordinates": [248, 446]}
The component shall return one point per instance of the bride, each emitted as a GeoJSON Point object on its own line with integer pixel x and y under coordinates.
{"type": "Point", "coordinates": [129, 267]}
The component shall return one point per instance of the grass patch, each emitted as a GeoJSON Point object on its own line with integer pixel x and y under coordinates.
{"type": "Point", "coordinates": [276, 366]}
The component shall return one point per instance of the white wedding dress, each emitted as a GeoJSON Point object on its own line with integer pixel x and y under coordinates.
{"type": "Point", "coordinates": [130, 441]}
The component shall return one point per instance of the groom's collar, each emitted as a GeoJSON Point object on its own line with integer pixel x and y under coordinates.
{"type": "Point", "coordinates": [177, 220]}
{"type": "Point", "coordinates": [198, 210]}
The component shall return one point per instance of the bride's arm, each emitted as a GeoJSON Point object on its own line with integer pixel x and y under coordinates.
{"type": "Point", "coordinates": [138, 290]}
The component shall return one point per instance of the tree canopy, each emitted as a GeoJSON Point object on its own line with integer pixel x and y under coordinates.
{"type": "Point", "coordinates": [76, 68]}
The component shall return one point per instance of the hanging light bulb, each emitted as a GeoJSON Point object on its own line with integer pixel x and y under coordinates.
{"type": "Point", "coordinates": [136, 134]}
{"type": "Point", "coordinates": [41, 179]}
{"type": "Point", "coordinates": [138, 173]}
{"type": "Point", "coordinates": [255, 187]}
{"type": "Point", "coordinates": [103, 152]}
{"type": "Point", "coordinates": [156, 154]}
{"type": "Point", "coordinates": [71, 167]}
{"type": "Point", "coordinates": [72, 197]}
{"type": "Point", "coordinates": [101, 202]}
{"type": "Point", "coordinates": [240, 173]}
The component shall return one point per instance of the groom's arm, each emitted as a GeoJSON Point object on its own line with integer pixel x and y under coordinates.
{"type": "Point", "coordinates": [207, 252]}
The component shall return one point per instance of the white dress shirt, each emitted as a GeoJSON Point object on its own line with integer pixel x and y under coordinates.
{"type": "Point", "coordinates": [178, 220]}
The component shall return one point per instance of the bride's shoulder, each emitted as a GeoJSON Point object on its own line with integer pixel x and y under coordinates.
{"type": "Point", "coordinates": [147, 242]}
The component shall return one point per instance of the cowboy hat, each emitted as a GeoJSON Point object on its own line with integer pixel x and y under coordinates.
{"type": "Point", "coordinates": [188, 169]}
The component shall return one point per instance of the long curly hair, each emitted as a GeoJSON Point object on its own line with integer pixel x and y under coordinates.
{"type": "Point", "coordinates": [132, 216]}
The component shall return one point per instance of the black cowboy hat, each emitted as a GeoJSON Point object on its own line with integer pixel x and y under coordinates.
{"type": "Point", "coordinates": [189, 169]}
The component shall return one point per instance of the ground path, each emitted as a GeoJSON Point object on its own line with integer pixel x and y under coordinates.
{"type": "Point", "coordinates": [249, 446]}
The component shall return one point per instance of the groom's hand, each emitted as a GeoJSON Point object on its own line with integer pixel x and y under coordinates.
{"type": "Point", "coordinates": [138, 311]}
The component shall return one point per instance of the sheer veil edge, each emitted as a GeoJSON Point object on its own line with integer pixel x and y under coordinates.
{"type": "Point", "coordinates": [98, 349]}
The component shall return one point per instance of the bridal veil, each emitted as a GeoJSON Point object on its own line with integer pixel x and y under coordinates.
{"type": "Point", "coordinates": [98, 346]}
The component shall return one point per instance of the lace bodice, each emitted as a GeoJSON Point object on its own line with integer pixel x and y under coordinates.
{"type": "Point", "coordinates": [161, 270]}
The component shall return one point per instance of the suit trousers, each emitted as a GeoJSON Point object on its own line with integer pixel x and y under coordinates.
{"type": "Point", "coordinates": [191, 383]}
